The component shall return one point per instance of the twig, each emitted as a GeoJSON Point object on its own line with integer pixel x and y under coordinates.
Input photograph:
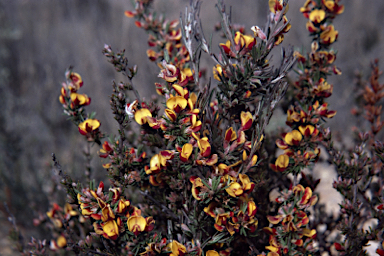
{"type": "Point", "coordinates": [12, 220]}
{"type": "Point", "coordinates": [174, 216]}
{"type": "Point", "coordinates": [88, 158]}
{"type": "Point", "coordinates": [133, 88]}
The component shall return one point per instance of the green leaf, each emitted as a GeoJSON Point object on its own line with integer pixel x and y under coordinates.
{"type": "Point", "coordinates": [216, 238]}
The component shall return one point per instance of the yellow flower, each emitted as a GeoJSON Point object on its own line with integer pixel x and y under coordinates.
{"type": "Point", "coordinates": [196, 184]}
{"type": "Point", "coordinates": [306, 130]}
{"type": "Point", "coordinates": [246, 120]}
{"type": "Point", "coordinates": [176, 248]}
{"type": "Point", "coordinates": [69, 210]}
{"type": "Point", "coordinates": [246, 183]}
{"type": "Point", "coordinates": [76, 81]}
{"type": "Point", "coordinates": [136, 224]}
{"type": "Point", "coordinates": [282, 162]}
{"type": "Point", "coordinates": [204, 146]}
{"type": "Point", "coordinates": [141, 115]}
{"type": "Point", "coordinates": [226, 47]}
{"type": "Point", "coordinates": [170, 114]}
{"type": "Point", "coordinates": [111, 229]}
{"type": "Point", "coordinates": [88, 126]}
{"type": "Point", "coordinates": [244, 40]}
{"type": "Point", "coordinates": [329, 35]}
{"type": "Point", "coordinates": [169, 73]}
{"type": "Point", "coordinates": [107, 214]}
{"type": "Point", "coordinates": [230, 135]}
{"type": "Point", "coordinates": [275, 5]}
{"type": "Point", "coordinates": [179, 90]}
{"type": "Point", "coordinates": [309, 233]}
{"type": "Point", "coordinates": [317, 15]}
{"type": "Point", "coordinates": [212, 253]}
{"type": "Point", "coordinates": [210, 209]}
{"type": "Point", "coordinates": [61, 241]}
{"type": "Point", "coordinates": [217, 70]}
{"type": "Point", "coordinates": [333, 7]}
{"type": "Point", "coordinates": [293, 138]}
{"type": "Point", "coordinates": [122, 206]}
{"type": "Point", "coordinates": [177, 103]}
{"type": "Point", "coordinates": [80, 99]}
{"type": "Point", "coordinates": [279, 39]}
{"type": "Point", "coordinates": [159, 160]}
{"type": "Point", "coordinates": [234, 189]}
{"type": "Point", "coordinates": [186, 152]}
{"type": "Point", "coordinates": [252, 208]}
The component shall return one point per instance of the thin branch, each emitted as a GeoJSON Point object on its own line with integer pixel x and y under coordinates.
{"type": "Point", "coordinates": [166, 209]}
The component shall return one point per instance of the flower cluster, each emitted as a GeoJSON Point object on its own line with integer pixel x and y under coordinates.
{"type": "Point", "coordinates": [165, 37]}
{"type": "Point", "coordinates": [300, 145]}
{"type": "Point", "coordinates": [292, 221]}
{"type": "Point", "coordinates": [203, 166]}
{"type": "Point", "coordinates": [70, 98]}
{"type": "Point", "coordinates": [111, 213]}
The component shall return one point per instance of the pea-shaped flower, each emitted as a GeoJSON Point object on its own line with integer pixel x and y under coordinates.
{"type": "Point", "coordinates": [136, 224]}
{"type": "Point", "coordinates": [88, 126]}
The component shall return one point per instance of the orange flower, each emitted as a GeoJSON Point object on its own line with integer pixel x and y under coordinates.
{"type": "Point", "coordinates": [176, 248]}
{"type": "Point", "coordinates": [88, 126]}
{"type": "Point", "coordinates": [186, 152]}
{"type": "Point", "coordinates": [136, 224]}
{"type": "Point", "coordinates": [329, 35]}
{"type": "Point", "coordinates": [111, 230]}
{"type": "Point", "coordinates": [177, 103]}
{"type": "Point", "coordinates": [141, 115]}
{"type": "Point", "coordinates": [130, 14]}
{"type": "Point", "coordinates": [317, 16]}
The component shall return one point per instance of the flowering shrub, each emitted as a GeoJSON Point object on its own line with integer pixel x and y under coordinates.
{"type": "Point", "coordinates": [196, 176]}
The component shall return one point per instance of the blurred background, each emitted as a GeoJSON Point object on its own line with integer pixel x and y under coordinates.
{"type": "Point", "coordinates": [40, 39]}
